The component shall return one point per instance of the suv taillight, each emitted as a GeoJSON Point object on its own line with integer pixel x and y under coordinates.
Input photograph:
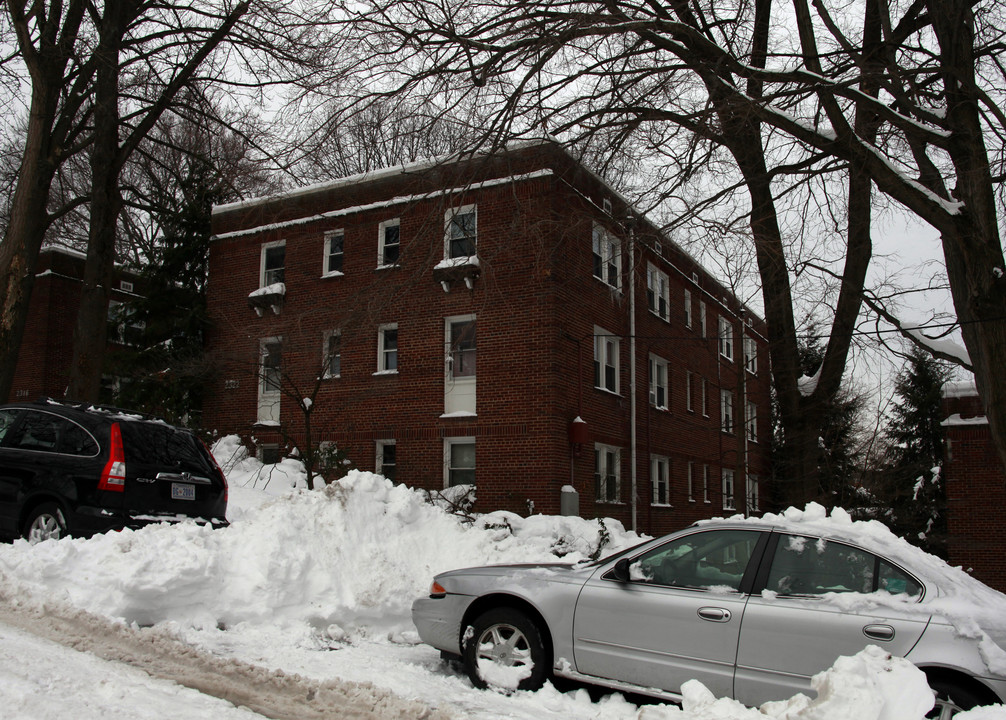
{"type": "Point", "coordinates": [219, 469]}
{"type": "Point", "coordinates": [113, 477]}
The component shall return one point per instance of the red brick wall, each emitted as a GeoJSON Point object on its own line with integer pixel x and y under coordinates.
{"type": "Point", "coordinates": [536, 304]}
{"type": "Point", "coordinates": [976, 493]}
{"type": "Point", "coordinates": [46, 352]}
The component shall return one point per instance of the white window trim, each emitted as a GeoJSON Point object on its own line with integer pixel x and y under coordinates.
{"type": "Point", "coordinates": [658, 287]}
{"type": "Point", "coordinates": [688, 308]}
{"type": "Point", "coordinates": [325, 272]}
{"type": "Point", "coordinates": [727, 411]}
{"type": "Point", "coordinates": [753, 492]}
{"type": "Point", "coordinates": [751, 421]}
{"type": "Point", "coordinates": [655, 462]}
{"type": "Point", "coordinates": [460, 440]}
{"type": "Point", "coordinates": [689, 404]}
{"type": "Point", "coordinates": [449, 215]}
{"type": "Point", "coordinates": [394, 222]}
{"type": "Point", "coordinates": [379, 446]}
{"type": "Point", "coordinates": [726, 338]}
{"type": "Point", "coordinates": [602, 450]}
{"type": "Point", "coordinates": [729, 497]}
{"type": "Point", "coordinates": [705, 398]}
{"type": "Point", "coordinates": [380, 350]}
{"type": "Point", "coordinates": [751, 355]}
{"type": "Point", "coordinates": [702, 319]}
{"type": "Point", "coordinates": [691, 481]}
{"type": "Point", "coordinates": [657, 362]}
{"type": "Point", "coordinates": [261, 265]}
{"type": "Point", "coordinates": [601, 338]}
{"type": "Point", "coordinates": [705, 484]}
{"type": "Point", "coordinates": [610, 254]}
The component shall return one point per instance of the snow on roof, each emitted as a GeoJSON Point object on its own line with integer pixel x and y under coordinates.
{"type": "Point", "coordinates": [960, 389]}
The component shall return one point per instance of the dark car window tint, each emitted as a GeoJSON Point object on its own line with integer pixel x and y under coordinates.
{"type": "Point", "coordinates": [815, 566]}
{"type": "Point", "coordinates": [75, 440]}
{"type": "Point", "coordinates": [715, 559]}
{"type": "Point", "coordinates": [38, 431]}
{"type": "Point", "coordinates": [157, 444]}
{"type": "Point", "coordinates": [7, 419]}
{"type": "Point", "coordinates": [896, 581]}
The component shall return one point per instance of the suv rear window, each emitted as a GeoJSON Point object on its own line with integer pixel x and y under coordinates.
{"type": "Point", "coordinates": [45, 432]}
{"type": "Point", "coordinates": [152, 443]}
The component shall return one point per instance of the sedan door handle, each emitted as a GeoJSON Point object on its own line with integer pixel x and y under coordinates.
{"type": "Point", "coordinates": [714, 614]}
{"type": "Point", "coordinates": [879, 632]}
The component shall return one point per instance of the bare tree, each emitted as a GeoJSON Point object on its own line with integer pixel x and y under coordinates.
{"type": "Point", "coordinates": [101, 77]}
{"type": "Point", "coordinates": [900, 97]}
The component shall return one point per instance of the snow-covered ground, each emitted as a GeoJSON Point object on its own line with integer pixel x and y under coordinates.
{"type": "Point", "coordinates": [313, 590]}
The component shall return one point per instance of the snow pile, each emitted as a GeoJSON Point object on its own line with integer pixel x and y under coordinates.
{"type": "Point", "coordinates": [357, 552]}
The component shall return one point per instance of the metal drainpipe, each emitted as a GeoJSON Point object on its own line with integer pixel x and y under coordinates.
{"type": "Point", "coordinates": [632, 369]}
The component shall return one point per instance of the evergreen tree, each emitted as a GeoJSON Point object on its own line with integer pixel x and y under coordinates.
{"type": "Point", "coordinates": [912, 490]}
{"type": "Point", "coordinates": [162, 368]}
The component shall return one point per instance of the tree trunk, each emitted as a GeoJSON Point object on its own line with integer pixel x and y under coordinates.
{"type": "Point", "coordinates": [90, 335]}
{"type": "Point", "coordinates": [973, 249]}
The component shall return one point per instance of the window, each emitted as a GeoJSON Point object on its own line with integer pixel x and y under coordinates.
{"type": "Point", "coordinates": [461, 232]}
{"type": "Point", "coordinates": [387, 348]}
{"type": "Point", "coordinates": [459, 461]}
{"type": "Point", "coordinates": [273, 263]}
{"type": "Point", "coordinates": [815, 566]}
{"type": "Point", "coordinates": [660, 474]}
{"type": "Point", "coordinates": [606, 355]}
{"type": "Point", "coordinates": [751, 355]}
{"type": "Point", "coordinates": [751, 421]}
{"type": "Point", "coordinates": [714, 559]}
{"type": "Point", "coordinates": [607, 257]}
{"type": "Point", "coordinates": [270, 379]}
{"type": "Point", "coordinates": [705, 483]}
{"type": "Point", "coordinates": [385, 462]}
{"type": "Point", "coordinates": [726, 411]}
{"type": "Point", "coordinates": [728, 489]}
{"type": "Point", "coordinates": [268, 454]}
{"type": "Point", "coordinates": [607, 473]}
{"type": "Point", "coordinates": [42, 432]}
{"type": "Point", "coordinates": [702, 319]}
{"type": "Point", "coordinates": [658, 382]}
{"type": "Point", "coordinates": [460, 355]}
{"type": "Point", "coordinates": [705, 398]}
{"type": "Point", "coordinates": [334, 242]}
{"type": "Point", "coordinates": [271, 369]}
{"type": "Point", "coordinates": [688, 390]}
{"type": "Point", "coordinates": [123, 327]}
{"type": "Point", "coordinates": [332, 354]}
{"type": "Point", "coordinates": [688, 308]}
{"type": "Point", "coordinates": [726, 334]}
{"type": "Point", "coordinates": [389, 242]}
{"type": "Point", "coordinates": [691, 481]}
{"type": "Point", "coordinates": [657, 291]}
{"type": "Point", "coordinates": [461, 351]}
{"type": "Point", "coordinates": [752, 494]}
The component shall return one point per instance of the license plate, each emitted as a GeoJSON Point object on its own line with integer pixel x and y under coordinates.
{"type": "Point", "coordinates": [183, 491]}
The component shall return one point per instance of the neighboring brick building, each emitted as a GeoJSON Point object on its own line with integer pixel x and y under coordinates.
{"type": "Point", "coordinates": [388, 286]}
{"type": "Point", "coordinates": [976, 488]}
{"type": "Point", "coordinates": [43, 366]}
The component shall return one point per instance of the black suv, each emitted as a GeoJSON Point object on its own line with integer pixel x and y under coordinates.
{"type": "Point", "coordinates": [81, 469]}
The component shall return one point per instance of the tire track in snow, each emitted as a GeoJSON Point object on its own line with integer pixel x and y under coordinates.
{"type": "Point", "coordinates": [273, 694]}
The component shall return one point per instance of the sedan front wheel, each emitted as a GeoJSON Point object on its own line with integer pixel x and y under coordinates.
{"type": "Point", "coordinates": [503, 650]}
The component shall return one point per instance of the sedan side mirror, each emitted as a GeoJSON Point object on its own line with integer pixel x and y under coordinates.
{"type": "Point", "coordinates": [621, 570]}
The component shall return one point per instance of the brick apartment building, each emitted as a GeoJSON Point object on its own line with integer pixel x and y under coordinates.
{"type": "Point", "coordinates": [975, 486]}
{"type": "Point", "coordinates": [43, 366]}
{"type": "Point", "coordinates": [499, 320]}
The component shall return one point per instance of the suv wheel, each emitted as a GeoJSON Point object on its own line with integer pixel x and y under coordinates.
{"type": "Point", "coordinates": [46, 522]}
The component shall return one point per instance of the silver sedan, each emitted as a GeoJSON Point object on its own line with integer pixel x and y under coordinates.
{"type": "Point", "coordinates": [753, 610]}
